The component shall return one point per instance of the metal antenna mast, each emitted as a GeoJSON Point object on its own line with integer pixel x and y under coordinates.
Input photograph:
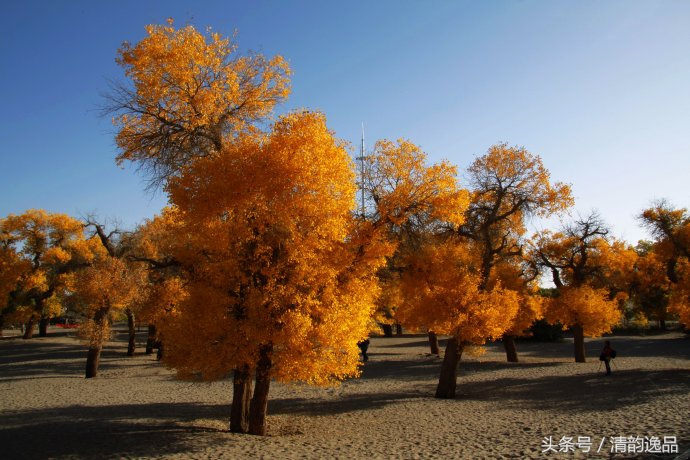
{"type": "Point", "coordinates": [361, 159]}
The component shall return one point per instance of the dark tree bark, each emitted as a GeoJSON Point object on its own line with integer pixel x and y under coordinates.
{"type": "Point", "coordinates": [259, 402]}
{"type": "Point", "coordinates": [131, 325]}
{"type": "Point", "coordinates": [449, 370]}
{"type": "Point", "coordinates": [93, 359]}
{"type": "Point", "coordinates": [579, 341]}
{"type": "Point", "coordinates": [387, 330]}
{"type": "Point", "coordinates": [241, 397]}
{"type": "Point", "coordinates": [159, 353]}
{"type": "Point", "coordinates": [398, 329]}
{"type": "Point", "coordinates": [29, 328]}
{"type": "Point", "coordinates": [43, 326]}
{"type": "Point", "coordinates": [433, 343]}
{"type": "Point", "coordinates": [511, 349]}
{"type": "Point", "coordinates": [2, 324]}
{"type": "Point", "coordinates": [151, 339]}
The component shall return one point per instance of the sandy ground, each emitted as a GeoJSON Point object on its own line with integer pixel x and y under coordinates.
{"type": "Point", "coordinates": [135, 409]}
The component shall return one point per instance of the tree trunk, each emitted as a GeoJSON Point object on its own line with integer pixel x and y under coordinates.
{"type": "Point", "coordinates": [131, 346]}
{"type": "Point", "coordinates": [259, 402]}
{"type": "Point", "coordinates": [159, 353]}
{"type": "Point", "coordinates": [43, 326]}
{"type": "Point", "coordinates": [398, 329]}
{"type": "Point", "coordinates": [241, 396]}
{"type": "Point", "coordinates": [511, 349]}
{"type": "Point", "coordinates": [387, 330]}
{"type": "Point", "coordinates": [29, 328]}
{"type": "Point", "coordinates": [93, 358]}
{"type": "Point", "coordinates": [433, 343]}
{"type": "Point", "coordinates": [449, 370]}
{"type": "Point", "coordinates": [662, 324]}
{"type": "Point", "coordinates": [151, 339]}
{"type": "Point", "coordinates": [579, 341]}
{"type": "Point", "coordinates": [2, 324]}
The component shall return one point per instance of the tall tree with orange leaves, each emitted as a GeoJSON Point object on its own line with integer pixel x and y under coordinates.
{"type": "Point", "coordinates": [189, 94]}
{"type": "Point", "coordinates": [671, 228]}
{"type": "Point", "coordinates": [579, 259]}
{"type": "Point", "coordinates": [279, 276]}
{"type": "Point", "coordinates": [508, 185]}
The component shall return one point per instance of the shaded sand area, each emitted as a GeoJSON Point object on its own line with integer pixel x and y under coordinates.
{"type": "Point", "coordinates": [136, 409]}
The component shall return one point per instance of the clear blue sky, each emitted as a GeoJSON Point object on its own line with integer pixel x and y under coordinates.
{"type": "Point", "coordinates": [600, 90]}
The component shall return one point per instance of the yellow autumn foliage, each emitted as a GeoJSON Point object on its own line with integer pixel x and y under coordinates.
{"type": "Point", "coordinates": [442, 293]}
{"type": "Point", "coordinates": [271, 256]}
{"type": "Point", "coordinates": [586, 307]}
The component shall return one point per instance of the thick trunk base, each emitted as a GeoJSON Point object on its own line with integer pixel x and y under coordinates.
{"type": "Point", "coordinates": [29, 329]}
{"type": "Point", "coordinates": [579, 342]}
{"type": "Point", "coordinates": [449, 370]}
{"type": "Point", "coordinates": [151, 339]}
{"type": "Point", "coordinates": [259, 402]}
{"type": "Point", "coordinates": [132, 343]}
{"type": "Point", "coordinates": [433, 343]}
{"type": "Point", "coordinates": [387, 330]}
{"type": "Point", "coordinates": [511, 349]}
{"type": "Point", "coordinates": [241, 397]}
{"type": "Point", "coordinates": [92, 360]}
{"type": "Point", "coordinates": [43, 326]}
{"type": "Point", "coordinates": [398, 329]}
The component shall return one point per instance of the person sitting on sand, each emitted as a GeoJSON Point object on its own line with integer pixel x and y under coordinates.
{"type": "Point", "coordinates": [607, 354]}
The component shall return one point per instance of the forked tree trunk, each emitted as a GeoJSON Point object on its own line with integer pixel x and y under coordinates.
{"type": "Point", "coordinates": [29, 328]}
{"type": "Point", "coordinates": [579, 341]}
{"type": "Point", "coordinates": [511, 349]}
{"type": "Point", "coordinates": [449, 369]}
{"type": "Point", "coordinates": [241, 397]}
{"type": "Point", "coordinates": [398, 329]}
{"type": "Point", "coordinates": [43, 326]}
{"type": "Point", "coordinates": [151, 339]}
{"type": "Point", "coordinates": [259, 402]}
{"type": "Point", "coordinates": [433, 343]}
{"type": "Point", "coordinates": [132, 344]}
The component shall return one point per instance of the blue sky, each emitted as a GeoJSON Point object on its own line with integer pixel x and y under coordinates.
{"type": "Point", "coordinates": [600, 90]}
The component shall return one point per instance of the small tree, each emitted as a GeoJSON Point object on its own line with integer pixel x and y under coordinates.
{"type": "Point", "coordinates": [50, 246]}
{"type": "Point", "coordinates": [579, 259]}
{"type": "Point", "coordinates": [442, 291]}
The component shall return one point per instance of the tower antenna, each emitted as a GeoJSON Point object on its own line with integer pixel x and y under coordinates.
{"type": "Point", "coordinates": [361, 159]}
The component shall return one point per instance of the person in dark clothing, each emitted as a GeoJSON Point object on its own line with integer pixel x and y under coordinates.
{"type": "Point", "coordinates": [607, 354]}
{"type": "Point", "coordinates": [363, 347]}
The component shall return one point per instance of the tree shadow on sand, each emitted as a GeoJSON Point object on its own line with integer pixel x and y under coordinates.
{"type": "Point", "coordinates": [134, 430]}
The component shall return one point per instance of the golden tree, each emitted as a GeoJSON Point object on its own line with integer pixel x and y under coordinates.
{"type": "Point", "coordinates": [508, 185]}
{"type": "Point", "coordinates": [103, 290]}
{"type": "Point", "coordinates": [582, 261]}
{"type": "Point", "coordinates": [671, 228]}
{"type": "Point", "coordinates": [189, 94]}
{"type": "Point", "coordinates": [51, 246]}
{"type": "Point", "coordinates": [12, 267]}
{"type": "Point", "coordinates": [410, 201]}
{"type": "Point", "coordinates": [442, 288]}
{"type": "Point", "coordinates": [278, 277]}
